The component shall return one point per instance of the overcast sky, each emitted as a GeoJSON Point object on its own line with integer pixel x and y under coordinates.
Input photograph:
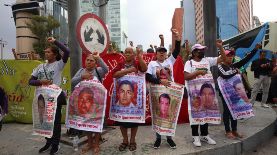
{"type": "Point", "coordinates": [146, 20]}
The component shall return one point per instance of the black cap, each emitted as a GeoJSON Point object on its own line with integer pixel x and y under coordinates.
{"type": "Point", "coordinates": [150, 50]}
{"type": "Point", "coordinates": [161, 49]}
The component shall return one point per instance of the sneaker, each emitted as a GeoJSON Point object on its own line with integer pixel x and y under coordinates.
{"type": "Point", "coordinates": [208, 140]}
{"type": "Point", "coordinates": [171, 143]}
{"type": "Point", "coordinates": [196, 141]}
{"type": "Point", "coordinates": [54, 149]}
{"type": "Point", "coordinates": [265, 106]}
{"type": "Point", "coordinates": [157, 143]}
{"type": "Point", "coordinates": [44, 148]}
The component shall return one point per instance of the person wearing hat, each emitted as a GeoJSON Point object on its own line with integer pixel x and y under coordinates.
{"type": "Point", "coordinates": [198, 66]}
{"type": "Point", "coordinates": [262, 68]}
{"type": "Point", "coordinates": [227, 70]}
{"type": "Point", "coordinates": [161, 72]}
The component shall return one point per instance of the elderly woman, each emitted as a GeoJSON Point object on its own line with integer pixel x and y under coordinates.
{"type": "Point", "coordinates": [91, 72]}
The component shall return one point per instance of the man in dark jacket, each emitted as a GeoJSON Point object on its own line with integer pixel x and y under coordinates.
{"type": "Point", "coordinates": [262, 68]}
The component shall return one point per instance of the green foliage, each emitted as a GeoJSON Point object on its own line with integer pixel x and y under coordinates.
{"type": "Point", "coordinates": [42, 27]}
{"type": "Point", "coordinates": [115, 47]}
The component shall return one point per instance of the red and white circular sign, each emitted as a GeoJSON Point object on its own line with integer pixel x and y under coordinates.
{"type": "Point", "coordinates": [92, 33]}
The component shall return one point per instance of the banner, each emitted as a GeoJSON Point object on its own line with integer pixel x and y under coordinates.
{"type": "Point", "coordinates": [44, 109]}
{"type": "Point", "coordinates": [203, 104]}
{"type": "Point", "coordinates": [165, 107]}
{"type": "Point", "coordinates": [14, 79]}
{"type": "Point", "coordinates": [128, 100]}
{"type": "Point", "coordinates": [235, 97]}
{"type": "Point", "coordinates": [87, 105]}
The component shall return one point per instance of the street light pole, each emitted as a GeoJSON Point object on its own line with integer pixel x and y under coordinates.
{"type": "Point", "coordinates": [234, 27]}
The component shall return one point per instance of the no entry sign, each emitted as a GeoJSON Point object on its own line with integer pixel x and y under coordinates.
{"type": "Point", "coordinates": [92, 33]}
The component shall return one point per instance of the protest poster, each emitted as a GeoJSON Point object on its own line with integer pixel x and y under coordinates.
{"type": "Point", "coordinates": [44, 109]}
{"type": "Point", "coordinates": [165, 107]}
{"type": "Point", "coordinates": [235, 97]}
{"type": "Point", "coordinates": [128, 100]}
{"type": "Point", "coordinates": [202, 101]}
{"type": "Point", "coordinates": [87, 105]}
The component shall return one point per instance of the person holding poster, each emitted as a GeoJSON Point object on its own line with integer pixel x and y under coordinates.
{"type": "Point", "coordinates": [161, 72]}
{"type": "Point", "coordinates": [125, 93]}
{"type": "Point", "coordinates": [86, 105]}
{"type": "Point", "coordinates": [197, 74]}
{"type": "Point", "coordinates": [47, 74]}
{"type": "Point", "coordinates": [227, 71]}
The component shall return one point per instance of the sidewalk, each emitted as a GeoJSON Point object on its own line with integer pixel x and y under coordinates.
{"type": "Point", "coordinates": [16, 139]}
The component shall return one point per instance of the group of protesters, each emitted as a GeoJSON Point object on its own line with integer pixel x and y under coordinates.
{"type": "Point", "coordinates": [196, 66]}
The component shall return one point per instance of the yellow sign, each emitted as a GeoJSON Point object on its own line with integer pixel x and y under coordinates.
{"type": "Point", "coordinates": [14, 78]}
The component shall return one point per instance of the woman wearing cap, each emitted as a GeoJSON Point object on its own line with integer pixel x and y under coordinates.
{"type": "Point", "coordinates": [227, 70]}
{"type": "Point", "coordinates": [195, 68]}
{"type": "Point", "coordinates": [47, 74]}
{"type": "Point", "coordinates": [154, 70]}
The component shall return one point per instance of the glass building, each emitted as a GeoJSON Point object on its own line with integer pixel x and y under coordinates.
{"type": "Point", "coordinates": [58, 9]}
{"type": "Point", "coordinates": [227, 18]}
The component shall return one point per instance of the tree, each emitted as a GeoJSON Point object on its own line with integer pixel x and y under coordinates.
{"type": "Point", "coordinates": [115, 47]}
{"type": "Point", "coordinates": [42, 27]}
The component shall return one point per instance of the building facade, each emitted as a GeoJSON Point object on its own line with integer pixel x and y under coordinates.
{"type": "Point", "coordinates": [189, 21]}
{"type": "Point", "coordinates": [117, 22]}
{"type": "Point", "coordinates": [199, 21]}
{"type": "Point", "coordinates": [58, 9]}
{"type": "Point", "coordinates": [232, 18]}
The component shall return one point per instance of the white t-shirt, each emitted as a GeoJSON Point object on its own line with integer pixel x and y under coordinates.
{"type": "Point", "coordinates": [154, 67]}
{"type": "Point", "coordinates": [206, 62]}
{"type": "Point", "coordinates": [53, 71]}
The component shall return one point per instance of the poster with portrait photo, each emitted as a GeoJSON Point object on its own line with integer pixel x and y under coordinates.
{"type": "Point", "coordinates": [44, 109]}
{"type": "Point", "coordinates": [165, 107]}
{"type": "Point", "coordinates": [234, 94]}
{"type": "Point", "coordinates": [128, 101]}
{"type": "Point", "coordinates": [202, 102]}
{"type": "Point", "coordinates": [87, 105]}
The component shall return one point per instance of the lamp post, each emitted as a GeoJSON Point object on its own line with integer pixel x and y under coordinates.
{"type": "Point", "coordinates": [234, 27]}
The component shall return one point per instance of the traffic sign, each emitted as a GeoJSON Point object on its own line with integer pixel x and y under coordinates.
{"type": "Point", "coordinates": [92, 33]}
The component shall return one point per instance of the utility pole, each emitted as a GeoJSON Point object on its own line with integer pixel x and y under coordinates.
{"type": "Point", "coordinates": [76, 52]}
{"type": "Point", "coordinates": [2, 43]}
{"type": "Point", "coordinates": [103, 10]}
